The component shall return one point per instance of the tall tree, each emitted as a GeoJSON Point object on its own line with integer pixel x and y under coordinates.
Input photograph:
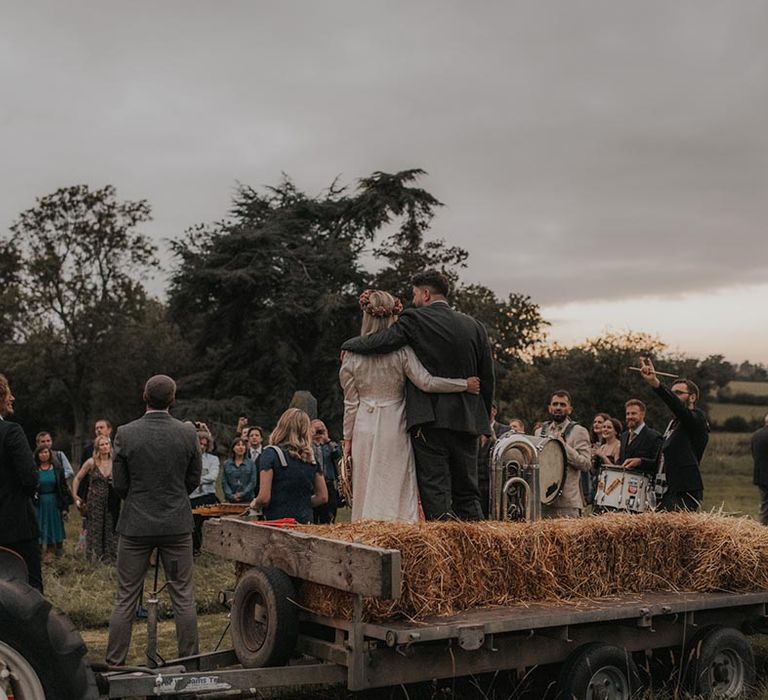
{"type": "Point", "coordinates": [268, 297]}
{"type": "Point", "coordinates": [10, 297]}
{"type": "Point", "coordinates": [82, 265]}
{"type": "Point", "coordinates": [383, 199]}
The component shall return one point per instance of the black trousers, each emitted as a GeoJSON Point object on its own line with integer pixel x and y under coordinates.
{"type": "Point", "coordinates": [681, 500]}
{"type": "Point", "coordinates": [197, 534]}
{"type": "Point", "coordinates": [326, 513]}
{"type": "Point", "coordinates": [29, 551]}
{"type": "Point", "coordinates": [446, 471]}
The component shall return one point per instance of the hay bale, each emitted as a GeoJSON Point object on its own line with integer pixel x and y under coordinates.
{"type": "Point", "coordinates": [453, 566]}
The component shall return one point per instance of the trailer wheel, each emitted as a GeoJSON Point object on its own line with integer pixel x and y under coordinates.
{"type": "Point", "coordinates": [42, 647]}
{"type": "Point", "coordinates": [720, 663]}
{"type": "Point", "coordinates": [598, 671]}
{"type": "Point", "coordinates": [265, 621]}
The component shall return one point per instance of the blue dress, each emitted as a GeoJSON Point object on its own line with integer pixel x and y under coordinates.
{"type": "Point", "coordinates": [292, 486]}
{"type": "Point", "coordinates": [48, 515]}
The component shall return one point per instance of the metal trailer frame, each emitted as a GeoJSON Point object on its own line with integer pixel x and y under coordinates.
{"type": "Point", "coordinates": [361, 655]}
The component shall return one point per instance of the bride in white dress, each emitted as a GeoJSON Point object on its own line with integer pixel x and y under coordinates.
{"type": "Point", "coordinates": [384, 473]}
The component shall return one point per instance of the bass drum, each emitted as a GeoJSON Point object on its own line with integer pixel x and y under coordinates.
{"type": "Point", "coordinates": [548, 453]}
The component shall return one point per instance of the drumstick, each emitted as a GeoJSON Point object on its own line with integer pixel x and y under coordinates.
{"type": "Point", "coordinates": [660, 374]}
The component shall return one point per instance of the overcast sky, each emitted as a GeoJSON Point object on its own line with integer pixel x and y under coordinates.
{"type": "Point", "coordinates": [608, 158]}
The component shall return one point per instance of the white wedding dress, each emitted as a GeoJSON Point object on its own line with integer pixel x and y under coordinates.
{"type": "Point", "coordinates": [383, 468]}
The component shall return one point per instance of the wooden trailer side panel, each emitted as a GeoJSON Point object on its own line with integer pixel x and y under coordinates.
{"type": "Point", "coordinates": [348, 566]}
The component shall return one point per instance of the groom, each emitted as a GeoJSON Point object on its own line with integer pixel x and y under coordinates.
{"type": "Point", "coordinates": [444, 427]}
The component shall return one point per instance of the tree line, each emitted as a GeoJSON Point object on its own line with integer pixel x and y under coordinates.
{"type": "Point", "coordinates": [257, 306]}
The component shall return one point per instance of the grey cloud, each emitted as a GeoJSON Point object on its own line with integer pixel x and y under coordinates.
{"type": "Point", "coordinates": [573, 143]}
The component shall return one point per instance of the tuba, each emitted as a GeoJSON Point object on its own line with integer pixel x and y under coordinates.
{"type": "Point", "coordinates": [526, 472]}
{"type": "Point", "coordinates": [344, 478]}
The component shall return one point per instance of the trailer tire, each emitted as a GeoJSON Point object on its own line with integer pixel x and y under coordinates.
{"type": "Point", "coordinates": [265, 621]}
{"type": "Point", "coordinates": [597, 665]}
{"type": "Point", "coordinates": [48, 642]}
{"type": "Point", "coordinates": [719, 663]}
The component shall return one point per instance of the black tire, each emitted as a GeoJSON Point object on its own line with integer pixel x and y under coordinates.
{"type": "Point", "coordinates": [594, 668]}
{"type": "Point", "coordinates": [47, 640]}
{"type": "Point", "coordinates": [265, 621]}
{"type": "Point", "coordinates": [719, 663]}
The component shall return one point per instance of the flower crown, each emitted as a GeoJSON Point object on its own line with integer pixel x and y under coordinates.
{"type": "Point", "coordinates": [378, 311]}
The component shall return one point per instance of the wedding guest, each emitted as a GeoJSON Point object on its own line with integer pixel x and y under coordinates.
{"type": "Point", "coordinates": [327, 455]}
{"type": "Point", "coordinates": [18, 486]}
{"type": "Point", "coordinates": [589, 478]}
{"type": "Point", "coordinates": [291, 482]}
{"type": "Point", "coordinates": [255, 439]}
{"type": "Point", "coordinates": [101, 503]}
{"type": "Point", "coordinates": [608, 451]}
{"type": "Point", "coordinates": [240, 478]}
{"type": "Point", "coordinates": [53, 500]}
{"type": "Point", "coordinates": [596, 434]}
{"type": "Point", "coordinates": [205, 494]}
{"type": "Point", "coordinates": [45, 439]}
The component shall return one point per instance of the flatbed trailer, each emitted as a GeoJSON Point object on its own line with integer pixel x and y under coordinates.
{"type": "Point", "coordinates": [596, 643]}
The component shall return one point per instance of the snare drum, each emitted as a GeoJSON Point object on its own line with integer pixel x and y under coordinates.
{"type": "Point", "coordinates": [625, 490]}
{"type": "Point", "coordinates": [545, 452]}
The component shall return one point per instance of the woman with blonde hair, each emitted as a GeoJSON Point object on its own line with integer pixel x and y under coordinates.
{"type": "Point", "coordinates": [384, 473]}
{"type": "Point", "coordinates": [291, 483]}
{"type": "Point", "coordinates": [101, 505]}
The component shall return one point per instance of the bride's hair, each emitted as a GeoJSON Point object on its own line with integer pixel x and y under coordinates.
{"type": "Point", "coordinates": [380, 310]}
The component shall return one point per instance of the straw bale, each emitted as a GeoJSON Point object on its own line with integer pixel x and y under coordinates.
{"type": "Point", "coordinates": [448, 567]}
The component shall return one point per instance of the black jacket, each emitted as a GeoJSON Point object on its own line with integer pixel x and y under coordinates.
{"type": "Point", "coordinates": [18, 485]}
{"type": "Point", "coordinates": [63, 495]}
{"type": "Point", "coordinates": [760, 456]}
{"type": "Point", "coordinates": [646, 446]}
{"type": "Point", "coordinates": [684, 447]}
{"type": "Point", "coordinates": [449, 344]}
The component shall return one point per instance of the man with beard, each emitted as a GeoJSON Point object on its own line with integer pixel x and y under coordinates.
{"type": "Point", "coordinates": [18, 484]}
{"type": "Point", "coordinates": [640, 445]}
{"type": "Point", "coordinates": [685, 440]}
{"type": "Point", "coordinates": [575, 439]}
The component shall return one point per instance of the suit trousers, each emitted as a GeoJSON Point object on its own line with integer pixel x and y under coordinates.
{"type": "Point", "coordinates": [551, 512]}
{"type": "Point", "coordinates": [133, 555]}
{"type": "Point", "coordinates": [763, 504]}
{"type": "Point", "coordinates": [681, 501]}
{"type": "Point", "coordinates": [446, 471]}
{"type": "Point", "coordinates": [29, 551]}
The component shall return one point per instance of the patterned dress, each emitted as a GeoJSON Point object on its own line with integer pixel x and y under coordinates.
{"type": "Point", "coordinates": [100, 538]}
{"type": "Point", "coordinates": [48, 516]}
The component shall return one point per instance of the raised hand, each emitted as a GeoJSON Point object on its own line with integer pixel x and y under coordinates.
{"type": "Point", "coordinates": [648, 373]}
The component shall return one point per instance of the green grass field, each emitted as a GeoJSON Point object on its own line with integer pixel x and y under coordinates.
{"type": "Point", "coordinates": [756, 388]}
{"type": "Point", "coordinates": [718, 412]}
{"type": "Point", "coordinates": [86, 591]}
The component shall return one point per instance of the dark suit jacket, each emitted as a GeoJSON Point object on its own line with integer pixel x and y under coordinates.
{"type": "Point", "coordinates": [18, 485]}
{"type": "Point", "coordinates": [449, 344]}
{"type": "Point", "coordinates": [646, 446]}
{"type": "Point", "coordinates": [156, 465]}
{"type": "Point", "coordinates": [684, 447]}
{"type": "Point", "coordinates": [760, 456]}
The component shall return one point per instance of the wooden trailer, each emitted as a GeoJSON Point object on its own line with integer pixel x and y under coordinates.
{"type": "Point", "coordinates": [597, 644]}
